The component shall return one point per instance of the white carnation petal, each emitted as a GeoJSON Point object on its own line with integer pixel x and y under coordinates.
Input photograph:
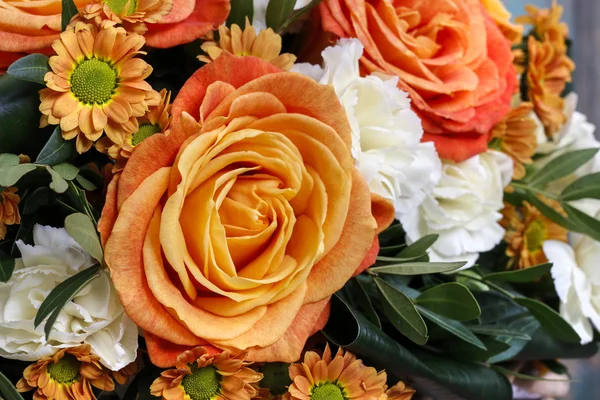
{"type": "Point", "coordinates": [562, 257]}
{"type": "Point", "coordinates": [572, 313]}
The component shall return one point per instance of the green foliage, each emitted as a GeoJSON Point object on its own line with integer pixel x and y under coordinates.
{"type": "Point", "coordinates": [561, 166]}
{"type": "Point", "coordinates": [8, 390]}
{"type": "Point", "coordinates": [7, 266]}
{"type": "Point", "coordinates": [57, 149]}
{"type": "Point", "coordinates": [451, 300]}
{"type": "Point", "coordinates": [550, 320]}
{"type": "Point", "coordinates": [69, 10]}
{"type": "Point", "coordinates": [586, 187]}
{"type": "Point", "coordinates": [278, 11]}
{"type": "Point", "coordinates": [31, 68]}
{"type": "Point", "coordinates": [240, 9]}
{"type": "Point", "coordinates": [82, 229]}
{"type": "Point", "coordinates": [417, 268]}
{"type": "Point", "coordinates": [522, 275]}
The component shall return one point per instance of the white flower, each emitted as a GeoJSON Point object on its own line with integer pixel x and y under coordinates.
{"type": "Point", "coordinates": [260, 12]}
{"type": "Point", "coordinates": [577, 282]}
{"type": "Point", "coordinates": [464, 208]}
{"type": "Point", "coordinates": [386, 133]}
{"type": "Point", "coordinates": [95, 316]}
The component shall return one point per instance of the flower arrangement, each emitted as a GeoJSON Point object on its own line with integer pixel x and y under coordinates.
{"type": "Point", "coordinates": [293, 199]}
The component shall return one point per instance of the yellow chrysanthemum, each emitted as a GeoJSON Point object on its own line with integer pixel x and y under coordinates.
{"type": "Point", "coordinates": [526, 231]}
{"type": "Point", "coordinates": [68, 374]}
{"type": "Point", "coordinates": [334, 378]}
{"type": "Point", "coordinates": [515, 136]}
{"type": "Point", "coordinates": [131, 14]}
{"type": "Point", "coordinates": [546, 24]}
{"type": "Point", "coordinates": [96, 85]}
{"type": "Point", "coordinates": [156, 120]}
{"type": "Point", "coordinates": [200, 375]}
{"type": "Point", "coordinates": [266, 45]}
{"type": "Point", "coordinates": [9, 209]}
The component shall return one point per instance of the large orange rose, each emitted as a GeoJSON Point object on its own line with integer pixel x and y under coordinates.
{"type": "Point", "coordinates": [235, 231]}
{"type": "Point", "coordinates": [450, 57]}
{"type": "Point", "coordinates": [32, 26]}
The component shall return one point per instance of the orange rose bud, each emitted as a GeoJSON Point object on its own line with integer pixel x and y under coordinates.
{"type": "Point", "coordinates": [450, 56]}
{"type": "Point", "coordinates": [233, 231]}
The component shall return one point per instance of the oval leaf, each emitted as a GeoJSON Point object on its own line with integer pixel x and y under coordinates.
{"type": "Point", "coordinates": [451, 300]}
{"type": "Point", "coordinates": [56, 150]}
{"type": "Point", "coordinates": [402, 313]}
{"type": "Point", "coordinates": [40, 197]}
{"type": "Point", "coordinates": [583, 222]}
{"type": "Point", "coordinates": [521, 276]}
{"type": "Point", "coordinates": [82, 229]}
{"type": "Point", "coordinates": [586, 187]}
{"type": "Point", "coordinates": [58, 184]}
{"type": "Point", "coordinates": [8, 160]}
{"type": "Point", "coordinates": [551, 213]}
{"type": "Point", "coordinates": [66, 171]}
{"type": "Point", "coordinates": [7, 266]}
{"type": "Point", "coordinates": [240, 9]}
{"type": "Point", "coordinates": [561, 166]}
{"type": "Point", "coordinates": [419, 248]}
{"type": "Point", "coordinates": [11, 175]}
{"type": "Point", "coordinates": [417, 268]}
{"type": "Point", "coordinates": [31, 68]}
{"type": "Point", "coordinates": [278, 11]}
{"type": "Point", "coordinates": [496, 330]}
{"type": "Point", "coordinates": [550, 320]}
{"type": "Point", "coordinates": [8, 390]}
{"type": "Point", "coordinates": [69, 9]}
{"type": "Point", "coordinates": [454, 327]}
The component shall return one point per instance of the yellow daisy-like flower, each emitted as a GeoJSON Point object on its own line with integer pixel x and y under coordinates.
{"type": "Point", "coordinates": [156, 120]}
{"type": "Point", "coordinates": [398, 392]}
{"type": "Point", "coordinates": [68, 374]}
{"type": "Point", "coordinates": [515, 136]}
{"type": "Point", "coordinates": [96, 85]}
{"type": "Point", "coordinates": [546, 24]}
{"type": "Point", "coordinates": [266, 45]}
{"type": "Point", "coordinates": [9, 209]}
{"type": "Point", "coordinates": [200, 375]}
{"type": "Point", "coordinates": [526, 231]}
{"type": "Point", "coordinates": [132, 14]}
{"type": "Point", "coordinates": [334, 378]}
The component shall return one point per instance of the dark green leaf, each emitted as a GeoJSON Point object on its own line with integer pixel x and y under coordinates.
{"type": "Point", "coordinates": [417, 268]}
{"type": "Point", "coordinates": [544, 346]}
{"type": "Point", "coordinates": [419, 247]}
{"type": "Point", "coordinates": [496, 307]}
{"type": "Point", "coordinates": [82, 229]}
{"type": "Point", "coordinates": [527, 325]}
{"type": "Point", "coordinates": [11, 175]}
{"type": "Point", "coordinates": [402, 313]}
{"type": "Point", "coordinates": [278, 11]}
{"type": "Point", "coordinates": [8, 390]}
{"type": "Point", "coordinates": [365, 303]}
{"type": "Point", "coordinates": [7, 266]}
{"type": "Point", "coordinates": [85, 183]}
{"type": "Point", "coordinates": [65, 291]}
{"type": "Point", "coordinates": [69, 9]}
{"type": "Point", "coordinates": [66, 171]}
{"type": "Point", "coordinates": [299, 13]}
{"type": "Point", "coordinates": [31, 68]}
{"type": "Point", "coordinates": [8, 160]}
{"type": "Point", "coordinates": [240, 9]}
{"type": "Point", "coordinates": [551, 213]}
{"type": "Point", "coordinates": [561, 166]}
{"type": "Point", "coordinates": [450, 300]}
{"type": "Point", "coordinates": [498, 330]}
{"type": "Point", "coordinates": [586, 187]}
{"type": "Point", "coordinates": [40, 197]}
{"type": "Point", "coordinates": [58, 184]}
{"type": "Point", "coordinates": [550, 320]}
{"type": "Point", "coordinates": [454, 327]}
{"type": "Point", "coordinates": [56, 150]}
{"type": "Point", "coordinates": [465, 351]}
{"type": "Point", "coordinates": [520, 276]}
{"type": "Point", "coordinates": [583, 222]}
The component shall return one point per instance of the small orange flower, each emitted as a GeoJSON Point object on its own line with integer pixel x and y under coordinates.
{"type": "Point", "coordinates": [515, 136]}
{"type": "Point", "coordinates": [123, 375]}
{"type": "Point", "coordinates": [546, 24]}
{"type": "Point", "coordinates": [526, 231]}
{"type": "Point", "coordinates": [96, 85]}
{"type": "Point", "coordinates": [131, 14]}
{"type": "Point", "coordinates": [156, 120]}
{"type": "Point", "coordinates": [334, 378]}
{"type": "Point", "coordinates": [398, 392]}
{"type": "Point", "coordinates": [68, 374]}
{"type": "Point", "coordinates": [9, 209]}
{"type": "Point", "coordinates": [200, 374]}
{"type": "Point", "coordinates": [266, 45]}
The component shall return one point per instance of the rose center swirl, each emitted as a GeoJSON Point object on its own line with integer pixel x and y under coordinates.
{"type": "Point", "coordinates": [93, 81]}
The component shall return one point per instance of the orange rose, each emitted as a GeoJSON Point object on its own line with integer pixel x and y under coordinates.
{"type": "Point", "coordinates": [235, 231]}
{"type": "Point", "coordinates": [450, 57]}
{"type": "Point", "coordinates": [30, 27]}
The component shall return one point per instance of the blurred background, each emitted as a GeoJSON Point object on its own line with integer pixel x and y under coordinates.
{"type": "Point", "coordinates": [583, 17]}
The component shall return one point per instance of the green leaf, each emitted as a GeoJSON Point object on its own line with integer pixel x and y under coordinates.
{"type": "Point", "coordinates": [85, 183]}
{"type": "Point", "coordinates": [365, 303]}
{"type": "Point", "coordinates": [11, 175]}
{"type": "Point", "coordinates": [417, 268]}
{"type": "Point", "coordinates": [551, 213]}
{"type": "Point", "coordinates": [419, 247]}
{"type": "Point", "coordinates": [82, 229]}
{"type": "Point", "coordinates": [583, 222]}
{"type": "Point", "coordinates": [56, 150]}
{"type": "Point", "coordinates": [69, 9]}
{"type": "Point", "coordinates": [64, 292]}
{"type": "Point", "coordinates": [7, 266]}
{"type": "Point", "coordinates": [465, 351]}
{"type": "Point", "coordinates": [506, 371]}
{"type": "Point", "coordinates": [454, 327]}
{"type": "Point", "coordinates": [31, 68]}
{"type": "Point", "coordinates": [550, 320]}
{"type": "Point", "coordinates": [240, 9]}
{"type": "Point", "coordinates": [561, 166]}
{"type": "Point", "coordinates": [544, 346]}
{"type": "Point", "coordinates": [8, 390]}
{"type": "Point", "coordinates": [40, 197]}
{"type": "Point", "coordinates": [450, 300]}
{"type": "Point", "coordinates": [8, 160]}
{"type": "Point", "coordinates": [498, 330]}
{"type": "Point", "coordinates": [586, 187]}
{"type": "Point", "coordinates": [278, 11]}
{"type": "Point", "coordinates": [496, 307]}
{"type": "Point", "coordinates": [66, 171]}
{"type": "Point", "coordinates": [521, 276]}
{"type": "Point", "coordinates": [58, 184]}
{"type": "Point", "coordinates": [299, 13]}
{"type": "Point", "coordinates": [402, 313]}
{"type": "Point", "coordinates": [524, 323]}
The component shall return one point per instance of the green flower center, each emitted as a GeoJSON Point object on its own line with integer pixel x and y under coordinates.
{"type": "Point", "coordinates": [93, 81]}
{"type": "Point", "coordinates": [145, 131]}
{"type": "Point", "coordinates": [202, 384]}
{"type": "Point", "coordinates": [276, 377]}
{"type": "Point", "coordinates": [535, 235]}
{"type": "Point", "coordinates": [66, 370]}
{"type": "Point", "coordinates": [117, 6]}
{"type": "Point", "coordinates": [327, 391]}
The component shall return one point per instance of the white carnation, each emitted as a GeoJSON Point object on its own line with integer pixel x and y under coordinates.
{"type": "Point", "coordinates": [464, 208]}
{"type": "Point", "coordinates": [95, 316]}
{"type": "Point", "coordinates": [386, 133]}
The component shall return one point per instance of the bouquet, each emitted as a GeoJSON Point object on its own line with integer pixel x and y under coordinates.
{"type": "Point", "coordinates": [293, 199]}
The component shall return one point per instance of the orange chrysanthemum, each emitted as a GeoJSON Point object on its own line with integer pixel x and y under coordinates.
{"type": "Point", "coordinates": [266, 45]}
{"type": "Point", "coordinates": [96, 85]}
{"type": "Point", "coordinates": [200, 374]}
{"type": "Point", "coordinates": [515, 136]}
{"type": "Point", "coordinates": [546, 24]}
{"type": "Point", "coordinates": [334, 378]}
{"type": "Point", "coordinates": [398, 392]}
{"type": "Point", "coordinates": [526, 231]}
{"type": "Point", "coordinates": [131, 14]}
{"type": "Point", "coordinates": [156, 120]}
{"type": "Point", "coordinates": [9, 209]}
{"type": "Point", "coordinates": [68, 374]}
